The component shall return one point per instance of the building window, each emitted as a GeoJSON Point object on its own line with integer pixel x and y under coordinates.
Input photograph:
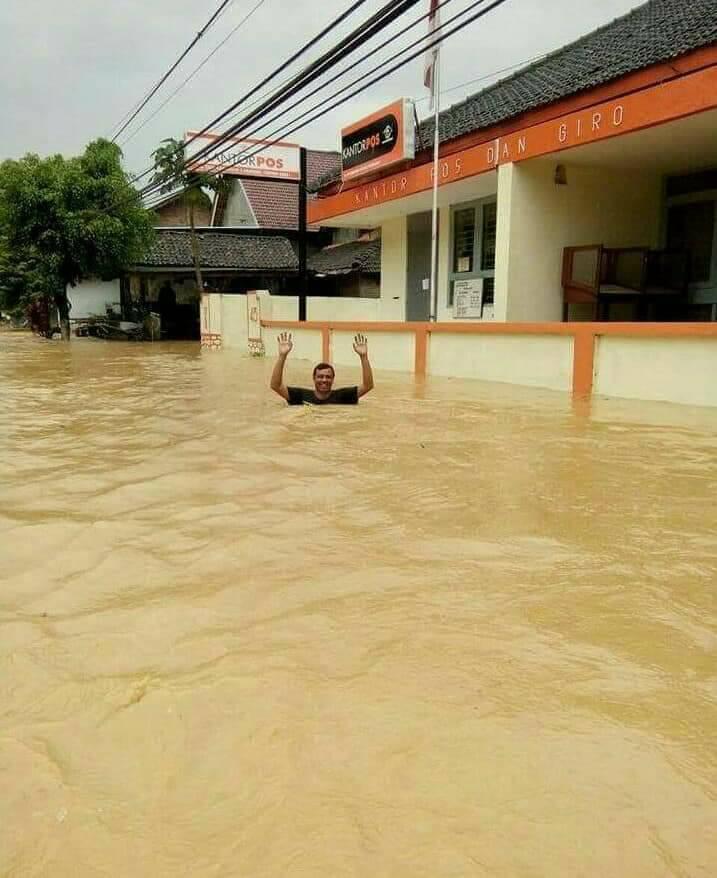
{"type": "Point", "coordinates": [473, 237]}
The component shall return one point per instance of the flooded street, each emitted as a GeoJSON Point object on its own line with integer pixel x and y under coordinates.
{"type": "Point", "coordinates": [461, 630]}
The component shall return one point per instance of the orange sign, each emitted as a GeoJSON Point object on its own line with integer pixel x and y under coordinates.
{"type": "Point", "coordinates": [248, 158]}
{"type": "Point", "coordinates": [675, 99]}
{"type": "Point", "coordinates": [379, 140]}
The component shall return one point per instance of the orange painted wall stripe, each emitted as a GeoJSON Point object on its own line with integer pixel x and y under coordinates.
{"type": "Point", "coordinates": [638, 330]}
{"type": "Point", "coordinates": [420, 352]}
{"type": "Point", "coordinates": [584, 337]}
{"type": "Point", "coordinates": [583, 363]}
{"type": "Point", "coordinates": [679, 97]}
{"type": "Point", "coordinates": [672, 100]}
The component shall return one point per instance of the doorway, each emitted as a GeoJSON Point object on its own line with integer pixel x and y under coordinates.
{"type": "Point", "coordinates": [418, 274]}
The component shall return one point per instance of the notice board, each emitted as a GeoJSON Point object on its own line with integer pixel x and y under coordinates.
{"type": "Point", "coordinates": [468, 299]}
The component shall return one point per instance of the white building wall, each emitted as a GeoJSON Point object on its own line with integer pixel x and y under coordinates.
{"type": "Point", "coordinates": [340, 308]}
{"type": "Point", "coordinates": [537, 219]}
{"type": "Point", "coordinates": [528, 360]}
{"type": "Point", "coordinates": [392, 351]}
{"type": "Point", "coordinates": [445, 312]}
{"type": "Point", "coordinates": [394, 260]}
{"type": "Point", "coordinates": [93, 297]}
{"type": "Point", "coordinates": [666, 369]}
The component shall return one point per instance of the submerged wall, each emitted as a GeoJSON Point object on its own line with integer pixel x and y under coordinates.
{"type": "Point", "coordinates": [673, 362]}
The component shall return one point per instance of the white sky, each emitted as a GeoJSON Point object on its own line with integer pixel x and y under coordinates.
{"type": "Point", "coordinates": [71, 69]}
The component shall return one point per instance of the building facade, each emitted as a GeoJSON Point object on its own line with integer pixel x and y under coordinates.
{"type": "Point", "coordinates": [599, 160]}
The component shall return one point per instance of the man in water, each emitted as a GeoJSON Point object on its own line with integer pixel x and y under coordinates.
{"type": "Point", "coordinates": [324, 374]}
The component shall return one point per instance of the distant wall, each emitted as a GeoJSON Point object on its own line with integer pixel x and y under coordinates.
{"type": "Point", "coordinates": [93, 297]}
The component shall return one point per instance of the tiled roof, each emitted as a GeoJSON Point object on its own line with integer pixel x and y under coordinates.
{"type": "Point", "coordinates": [652, 33]}
{"type": "Point", "coordinates": [319, 162]}
{"type": "Point", "coordinates": [275, 202]}
{"type": "Point", "coordinates": [172, 249]}
{"type": "Point", "coordinates": [345, 258]}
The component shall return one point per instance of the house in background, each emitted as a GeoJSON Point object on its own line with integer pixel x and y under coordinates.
{"type": "Point", "coordinates": [248, 237]}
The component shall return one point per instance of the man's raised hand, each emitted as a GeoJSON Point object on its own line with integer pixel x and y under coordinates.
{"type": "Point", "coordinates": [285, 344]}
{"type": "Point", "coordinates": [361, 345]}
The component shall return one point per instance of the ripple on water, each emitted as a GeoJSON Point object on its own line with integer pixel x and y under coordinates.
{"type": "Point", "coordinates": [460, 630]}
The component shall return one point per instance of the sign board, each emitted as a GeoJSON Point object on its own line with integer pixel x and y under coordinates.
{"type": "Point", "coordinates": [247, 158]}
{"type": "Point", "coordinates": [468, 299]}
{"type": "Point", "coordinates": [379, 140]}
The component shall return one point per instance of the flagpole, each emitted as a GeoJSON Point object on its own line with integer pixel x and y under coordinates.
{"type": "Point", "coordinates": [434, 222]}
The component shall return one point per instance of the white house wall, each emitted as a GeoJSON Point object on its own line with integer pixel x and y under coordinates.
{"type": "Point", "coordinates": [537, 219]}
{"type": "Point", "coordinates": [92, 297]}
{"type": "Point", "coordinates": [394, 261]}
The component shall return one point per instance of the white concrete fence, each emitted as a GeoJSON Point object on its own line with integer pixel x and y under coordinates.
{"type": "Point", "coordinates": [674, 362]}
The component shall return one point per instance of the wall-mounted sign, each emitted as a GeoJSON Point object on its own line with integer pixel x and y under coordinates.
{"type": "Point", "coordinates": [468, 299]}
{"type": "Point", "coordinates": [379, 140]}
{"type": "Point", "coordinates": [248, 158]}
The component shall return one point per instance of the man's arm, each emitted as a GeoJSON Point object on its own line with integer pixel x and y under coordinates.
{"type": "Point", "coordinates": [361, 348]}
{"type": "Point", "coordinates": [277, 375]}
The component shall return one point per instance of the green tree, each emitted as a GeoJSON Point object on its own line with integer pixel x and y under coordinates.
{"type": "Point", "coordinates": [69, 219]}
{"type": "Point", "coordinates": [174, 172]}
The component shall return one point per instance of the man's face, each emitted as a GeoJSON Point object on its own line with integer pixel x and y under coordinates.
{"type": "Point", "coordinates": [323, 381]}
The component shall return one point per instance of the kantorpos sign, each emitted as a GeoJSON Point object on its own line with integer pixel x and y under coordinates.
{"type": "Point", "coordinates": [248, 158]}
{"type": "Point", "coordinates": [379, 140]}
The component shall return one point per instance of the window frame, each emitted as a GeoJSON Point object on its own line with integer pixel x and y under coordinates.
{"type": "Point", "coordinates": [478, 205]}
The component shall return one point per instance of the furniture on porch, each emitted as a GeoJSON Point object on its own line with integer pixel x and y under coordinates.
{"type": "Point", "coordinates": [653, 283]}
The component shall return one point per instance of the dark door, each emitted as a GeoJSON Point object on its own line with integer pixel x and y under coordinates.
{"type": "Point", "coordinates": [418, 275]}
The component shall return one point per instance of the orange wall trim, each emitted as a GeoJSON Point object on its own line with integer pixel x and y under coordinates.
{"type": "Point", "coordinates": [584, 337]}
{"type": "Point", "coordinates": [583, 363]}
{"type": "Point", "coordinates": [421, 352]}
{"type": "Point", "coordinates": [685, 95]}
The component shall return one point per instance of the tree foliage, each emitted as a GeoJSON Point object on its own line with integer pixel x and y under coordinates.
{"type": "Point", "coordinates": [65, 220]}
{"type": "Point", "coordinates": [175, 172]}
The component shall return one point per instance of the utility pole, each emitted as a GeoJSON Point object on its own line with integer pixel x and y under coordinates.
{"type": "Point", "coordinates": [303, 275]}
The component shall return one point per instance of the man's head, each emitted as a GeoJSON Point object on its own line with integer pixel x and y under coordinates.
{"type": "Point", "coordinates": [323, 379]}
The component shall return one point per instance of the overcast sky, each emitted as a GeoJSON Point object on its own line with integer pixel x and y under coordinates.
{"type": "Point", "coordinates": [71, 69]}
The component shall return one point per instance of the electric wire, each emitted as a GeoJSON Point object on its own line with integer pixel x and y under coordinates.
{"type": "Point", "coordinates": [194, 72]}
{"type": "Point", "coordinates": [443, 35]}
{"type": "Point", "coordinates": [125, 122]}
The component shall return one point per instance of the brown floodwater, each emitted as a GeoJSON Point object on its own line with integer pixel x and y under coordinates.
{"type": "Point", "coordinates": [460, 630]}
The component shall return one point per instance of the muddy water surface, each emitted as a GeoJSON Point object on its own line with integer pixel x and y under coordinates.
{"type": "Point", "coordinates": [460, 630]}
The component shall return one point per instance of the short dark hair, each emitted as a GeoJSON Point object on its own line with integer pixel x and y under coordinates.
{"type": "Point", "coordinates": [324, 366]}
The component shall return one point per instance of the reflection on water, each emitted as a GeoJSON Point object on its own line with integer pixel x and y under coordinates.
{"type": "Point", "coordinates": [460, 630]}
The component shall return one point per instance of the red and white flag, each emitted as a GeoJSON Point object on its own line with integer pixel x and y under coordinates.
{"type": "Point", "coordinates": [429, 72]}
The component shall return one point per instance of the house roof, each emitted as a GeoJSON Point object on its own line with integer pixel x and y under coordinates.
{"type": "Point", "coordinates": [172, 249]}
{"type": "Point", "coordinates": [275, 203]}
{"type": "Point", "coordinates": [361, 255]}
{"type": "Point", "coordinates": [320, 162]}
{"type": "Point", "coordinates": [657, 31]}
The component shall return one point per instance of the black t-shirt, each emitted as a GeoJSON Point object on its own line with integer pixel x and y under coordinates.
{"type": "Point", "coordinates": [342, 396]}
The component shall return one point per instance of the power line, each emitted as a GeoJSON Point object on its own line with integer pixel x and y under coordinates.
{"type": "Point", "coordinates": [194, 72]}
{"type": "Point", "coordinates": [323, 110]}
{"type": "Point", "coordinates": [357, 38]}
{"type": "Point", "coordinates": [148, 97]}
{"type": "Point", "coordinates": [305, 48]}
{"type": "Point", "coordinates": [485, 76]}
{"type": "Point", "coordinates": [377, 22]}
{"type": "Point", "coordinates": [442, 36]}
{"type": "Point", "coordinates": [366, 57]}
